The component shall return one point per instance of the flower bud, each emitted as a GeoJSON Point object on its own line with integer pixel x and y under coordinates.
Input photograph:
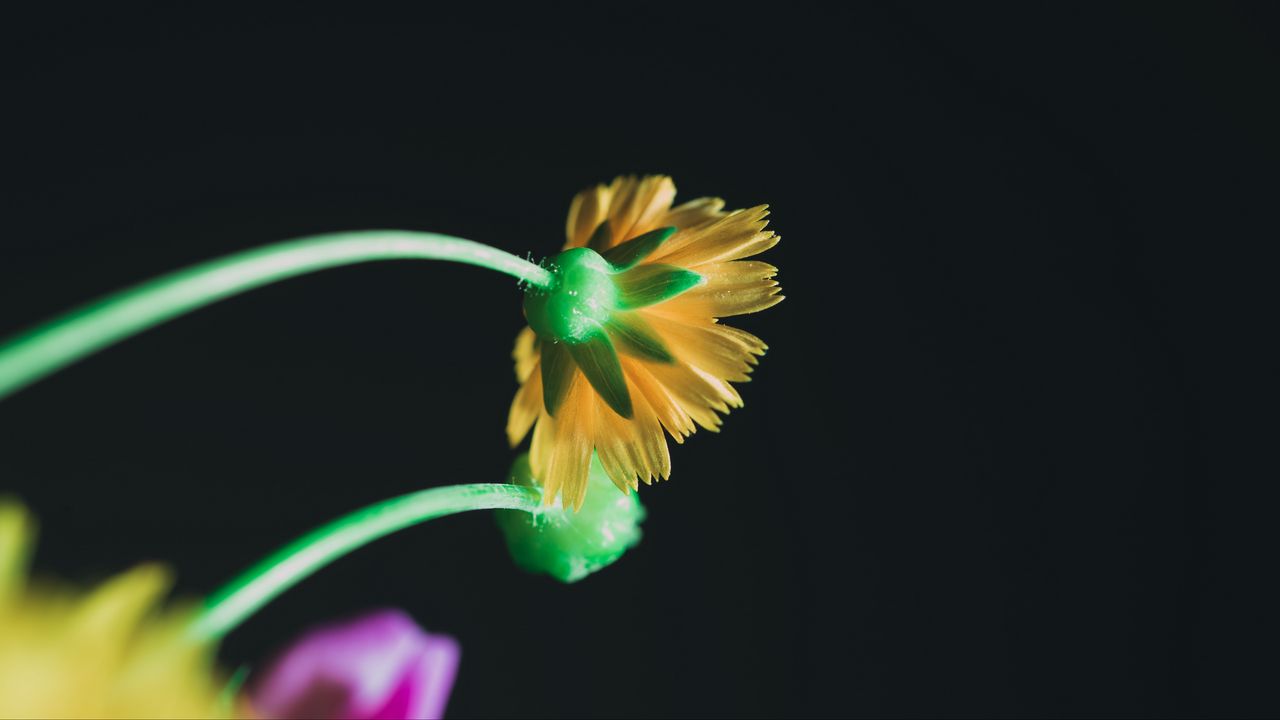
{"type": "Point", "coordinates": [379, 665]}
{"type": "Point", "coordinates": [571, 545]}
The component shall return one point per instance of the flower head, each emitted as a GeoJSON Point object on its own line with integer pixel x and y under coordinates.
{"type": "Point", "coordinates": [627, 341]}
{"type": "Point", "coordinates": [110, 652]}
{"type": "Point", "coordinates": [379, 666]}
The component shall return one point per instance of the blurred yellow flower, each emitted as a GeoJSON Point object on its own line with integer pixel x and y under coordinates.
{"type": "Point", "coordinates": [629, 343]}
{"type": "Point", "coordinates": [107, 653]}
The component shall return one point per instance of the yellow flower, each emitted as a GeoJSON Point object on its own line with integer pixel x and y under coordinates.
{"type": "Point", "coordinates": [102, 654]}
{"type": "Point", "coordinates": [628, 343]}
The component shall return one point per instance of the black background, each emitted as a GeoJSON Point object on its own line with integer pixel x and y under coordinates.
{"type": "Point", "coordinates": [1005, 455]}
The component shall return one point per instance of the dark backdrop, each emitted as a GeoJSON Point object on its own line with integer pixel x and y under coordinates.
{"type": "Point", "coordinates": [1003, 457]}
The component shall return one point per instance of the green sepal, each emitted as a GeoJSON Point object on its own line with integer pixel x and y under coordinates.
{"type": "Point", "coordinates": [557, 373]}
{"type": "Point", "coordinates": [635, 337]}
{"type": "Point", "coordinates": [626, 255]}
{"type": "Point", "coordinates": [599, 362]}
{"type": "Point", "coordinates": [601, 237]}
{"type": "Point", "coordinates": [651, 284]}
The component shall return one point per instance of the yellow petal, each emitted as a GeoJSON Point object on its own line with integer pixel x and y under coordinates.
{"type": "Point", "coordinates": [633, 450]}
{"type": "Point", "coordinates": [652, 443]}
{"type": "Point", "coordinates": [526, 407]}
{"type": "Point", "coordinates": [690, 389]}
{"type": "Point", "coordinates": [755, 345]}
{"type": "Point", "coordinates": [723, 300]}
{"type": "Point", "coordinates": [665, 407]}
{"type": "Point", "coordinates": [525, 353]}
{"type": "Point", "coordinates": [570, 455]}
{"type": "Point", "coordinates": [694, 212]}
{"type": "Point", "coordinates": [737, 235]}
{"type": "Point", "coordinates": [737, 272]}
{"type": "Point", "coordinates": [724, 352]}
{"type": "Point", "coordinates": [588, 209]}
{"type": "Point", "coordinates": [725, 392]}
{"type": "Point", "coordinates": [108, 617]}
{"type": "Point", "coordinates": [616, 447]}
{"type": "Point", "coordinates": [17, 534]}
{"type": "Point", "coordinates": [540, 448]}
{"type": "Point", "coordinates": [638, 204]}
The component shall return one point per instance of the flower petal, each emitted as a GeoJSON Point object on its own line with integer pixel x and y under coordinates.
{"type": "Point", "coordinates": [698, 394]}
{"type": "Point", "coordinates": [694, 212]}
{"type": "Point", "coordinates": [525, 408]}
{"type": "Point", "coordinates": [737, 235]}
{"type": "Point", "coordinates": [17, 537]}
{"type": "Point", "coordinates": [424, 690]}
{"type": "Point", "coordinates": [570, 453]}
{"type": "Point", "coordinates": [588, 209]}
{"type": "Point", "coordinates": [737, 272]}
{"type": "Point", "coordinates": [379, 665]}
{"type": "Point", "coordinates": [665, 406]}
{"type": "Point", "coordinates": [638, 204]}
{"type": "Point", "coordinates": [540, 448]}
{"type": "Point", "coordinates": [722, 351]}
{"type": "Point", "coordinates": [725, 300]}
{"type": "Point", "coordinates": [525, 353]}
{"type": "Point", "coordinates": [632, 451]}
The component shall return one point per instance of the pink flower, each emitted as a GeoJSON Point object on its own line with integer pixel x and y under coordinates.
{"type": "Point", "coordinates": [378, 666]}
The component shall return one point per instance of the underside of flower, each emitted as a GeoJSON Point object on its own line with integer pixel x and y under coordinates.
{"type": "Point", "coordinates": [625, 342]}
{"type": "Point", "coordinates": [588, 316]}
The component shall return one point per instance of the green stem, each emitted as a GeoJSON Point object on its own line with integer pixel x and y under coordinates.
{"type": "Point", "coordinates": [257, 586]}
{"type": "Point", "coordinates": [63, 340]}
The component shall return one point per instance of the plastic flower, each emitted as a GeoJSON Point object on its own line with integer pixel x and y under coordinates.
{"type": "Point", "coordinates": [110, 652]}
{"type": "Point", "coordinates": [379, 666]}
{"type": "Point", "coordinates": [627, 342]}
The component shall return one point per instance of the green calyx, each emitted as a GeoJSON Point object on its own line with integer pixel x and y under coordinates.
{"type": "Point", "coordinates": [583, 318]}
{"type": "Point", "coordinates": [571, 545]}
{"type": "Point", "coordinates": [580, 300]}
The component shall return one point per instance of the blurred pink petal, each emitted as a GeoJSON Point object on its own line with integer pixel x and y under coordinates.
{"type": "Point", "coordinates": [378, 666]}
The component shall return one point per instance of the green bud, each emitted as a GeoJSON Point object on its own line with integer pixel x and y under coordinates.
{"type": "Point", "coordinates": [571, 545]}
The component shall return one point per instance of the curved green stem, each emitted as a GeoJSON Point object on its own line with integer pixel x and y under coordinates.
{"type": "Point", "coordinates": [257, 586]}
{"type": "Point", "coordinates": [57, 343]}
